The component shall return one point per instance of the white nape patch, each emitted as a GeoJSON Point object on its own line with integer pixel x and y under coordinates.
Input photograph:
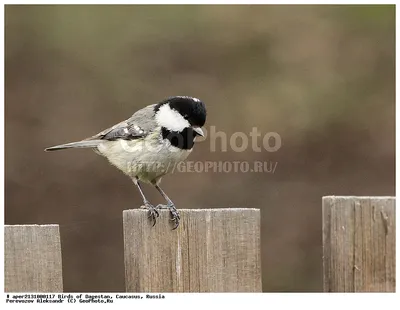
{"type": "Point", "coordinates": [171, 119]}
{"type": "Point", "coordinates": [196, 99]}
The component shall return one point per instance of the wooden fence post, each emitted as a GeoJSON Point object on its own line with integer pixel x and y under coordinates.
{"type": "Point", "coordinates": [359, 244]}
{"type": "Point", "coordinates": [212, 250]}
{"type": "Point", "coordinates": [32, 258]}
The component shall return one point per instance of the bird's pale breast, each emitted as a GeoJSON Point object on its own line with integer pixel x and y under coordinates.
{"type": "Point", "coordinates": [148, 159]}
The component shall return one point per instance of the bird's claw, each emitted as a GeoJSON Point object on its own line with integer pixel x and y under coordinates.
{"type": "Point", "coordinates": [175, 217]}
{"type": "Point", "coordinates": [153, 213]}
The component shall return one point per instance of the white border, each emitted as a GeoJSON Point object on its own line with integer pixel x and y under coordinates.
{"type": "Point", "coordinates": [315, 2]}
{"type": "Point", "coordinates": [2, 141]}
{"type": "Point", "coordinates": [244, 300]}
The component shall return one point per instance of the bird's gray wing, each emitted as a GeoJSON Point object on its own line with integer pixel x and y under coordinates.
{"type": "Point", "coordinates": [137, 126]}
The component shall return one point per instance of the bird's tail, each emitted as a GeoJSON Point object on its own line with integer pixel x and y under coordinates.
{"type": "Point", "coordinates": [72, 145]}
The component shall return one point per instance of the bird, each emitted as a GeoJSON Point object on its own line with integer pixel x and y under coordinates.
{"type": "Point", "coordinates": [149, 144]}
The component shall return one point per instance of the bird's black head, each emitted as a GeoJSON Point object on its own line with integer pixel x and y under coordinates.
{"type": "Point", "coordinates": [180, 119]}
{"type": "Point", "coordinates": [177, 113]}
{"type": "Point", "coordinates": [192, 109]}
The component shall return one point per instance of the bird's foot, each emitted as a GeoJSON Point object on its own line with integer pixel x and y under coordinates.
{"type": "Point", "coordinates": [175, 217]}
{"type": "Point", "coordinates": [153, 213]}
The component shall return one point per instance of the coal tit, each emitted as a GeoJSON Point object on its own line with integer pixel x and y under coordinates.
{"type": "Point", "coordinates": [150, 143]}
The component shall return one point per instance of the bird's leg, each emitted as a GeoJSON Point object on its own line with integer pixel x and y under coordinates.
{"type": "Point", "coordinates": [170, 205]}
{"type": "Point", "coordinates": [153, 213]}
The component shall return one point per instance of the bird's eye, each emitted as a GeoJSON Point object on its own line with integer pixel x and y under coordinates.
{"type": "Point", "coordinates": [185, 116]}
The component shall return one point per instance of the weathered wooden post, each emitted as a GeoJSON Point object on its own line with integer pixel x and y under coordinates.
{"type": "Point", "coordinates": [213, 250]}
{"type": "Point", "coordinates": [359, 244]}
{"type": "Point", "coordinates": [32, 258]}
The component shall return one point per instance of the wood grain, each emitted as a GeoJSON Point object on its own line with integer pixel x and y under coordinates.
{"type": "Point", "coordinates": [359, 244]}
{"type": "Point", "coordinates": [32, 258]}
{"type": "Point", "coordinates": [213, 250]}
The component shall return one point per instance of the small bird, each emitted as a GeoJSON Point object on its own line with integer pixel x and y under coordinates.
{"type": "Point", "coordinates": [150, 143]}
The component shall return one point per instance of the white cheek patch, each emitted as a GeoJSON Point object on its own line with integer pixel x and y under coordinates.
{"type": "Point", "coordinates": [171, 119]}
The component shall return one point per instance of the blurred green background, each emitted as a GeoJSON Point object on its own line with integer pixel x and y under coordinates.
{"type": "Point", "coordinates": [323, 77]}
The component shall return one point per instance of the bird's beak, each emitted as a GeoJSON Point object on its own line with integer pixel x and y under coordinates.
{"type": "Point", "coordinates": [199, 131]}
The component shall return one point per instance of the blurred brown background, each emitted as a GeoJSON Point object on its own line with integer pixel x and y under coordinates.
{"type": "Point", "coordinates": [322, 77]}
